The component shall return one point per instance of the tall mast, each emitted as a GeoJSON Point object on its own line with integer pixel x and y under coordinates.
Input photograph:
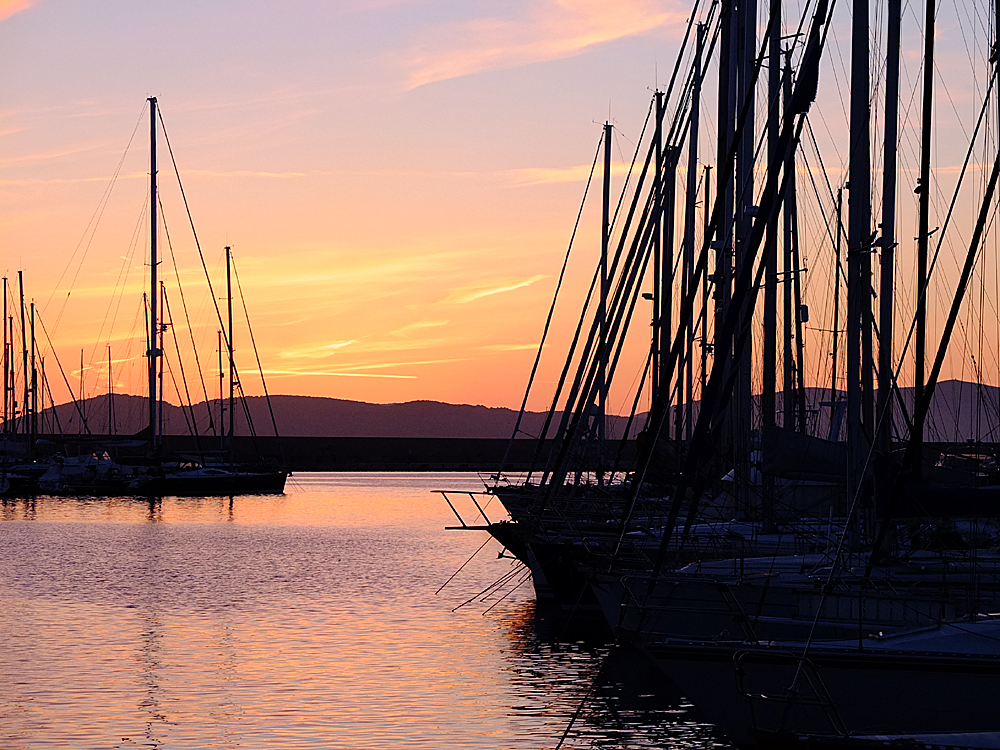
{"type": "Point", "coordinates": [858, 232]}
{"type": "Point", "coordinates": [704, 287]}
{"type": "Point", "coordinates": [33, 424]}
{"type": "Point", "coordinates": [837, 271]}
{"type": "Point", "coordinates": [658, 351]}
{"type": "Point", "coordinates": [602, 395]}
{"type": "Point", "coordinates": [24, 356]}
{"type": "Point", "coordinates": [770, 353]}
{"type": "Point", "coordinates": [153, 353]}
{"type": "Point", "coordinates": [924, 188]}
{"type": "Point", "coordinates": [746, 45]}
{"type": "Point", "coordinates": [6, 364]}
{"type": "Point", "coordinates": [232, 362]}
{"type": "Point", "coordinates": [769, 373]}
{"type": "Point", "coordinates": [222, 399]}
{"type": "Point", "coordinates": [667, 215]}
{"type": "Point", "coordinates": [687, 275]}
{"type": "Point", "coordinates": [111, 395]}
{"type": "Point", "coordinates": [888, 242]}
{"type": "Point", "coordinates": [83, 403]}
{"type": "Point", "coordinates": [788, 243]}
{"type": "Point", "coordinates": [162, 331]}
{"type": "Point", "coordinates": [724, 190]}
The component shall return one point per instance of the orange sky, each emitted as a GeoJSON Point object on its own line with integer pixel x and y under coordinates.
{"type": "Point", "coordinates": [398, 179]}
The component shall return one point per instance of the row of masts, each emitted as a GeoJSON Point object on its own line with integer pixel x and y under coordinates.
{"type": "Point", "coordinates": [869, 410]}
{"type": "Point", "coordinates": [22, 408]}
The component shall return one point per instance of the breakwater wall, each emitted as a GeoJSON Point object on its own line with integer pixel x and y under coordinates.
{"type": "Point", "coordinates": [341, 453]}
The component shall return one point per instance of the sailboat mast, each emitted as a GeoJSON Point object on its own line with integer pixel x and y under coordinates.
{"type": "Point", "coordinates": [858, 232]}
{"type": "Point", "coordinates": [724, 190]}
{"type": "Point", "coordinates": [836, 301]}
{"type": "Point", "coordinates": [924, 187]}
{"type": "Point", "coordinates": [770, 354]}
{"type": "Point", "coordinates": [222, 400]}
{"type": "Point", "coordinates": [154, 352]}
{"type": "Point", "coordinates": [6, 364]}
{"type": "Point", "coordinates": [24, 356]}
{"type": "Point", "coordinates": [111, 396]}
{"type": "Point", "coordinates": [658, 351]}
{"type": "Point", "coordinates": [788, 243]}
{"type": "Point", "coordinates": [162, 332]}
{"type": "Point", "coordinates": [232, 363]}
{"type": "Point", "coordinates": [687, 274]}
{"type": "Point", "coordinates": [888, 242]}
{"type": "Point", "coordinates": [746, 46]}
{"type": "Point", "coordinates": [33, 424]}
{"type": "Point", "coordinates": [704, 288]}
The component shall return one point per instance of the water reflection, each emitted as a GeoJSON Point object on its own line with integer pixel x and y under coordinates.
{"type": "Point", "coordinates": [607, 696]}
{"type": "Point", "coordinates": [305, 621]}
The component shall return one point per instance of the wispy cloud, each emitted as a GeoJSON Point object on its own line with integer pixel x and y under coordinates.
{"type": "Point", "coordinates": [508, 347]}
{"type": "Point", "coordinates": [243, 173]}
{"type": "Point", "coordinates": [552, 175]}
{"type": "Point", "coordinates": [471, 292]}
{"type": "Point", "coordinates": [418, 326]}
{"type": "Point", "coordinates": [10, 7]}
{"type": "Point", "coordinates": [363, 370]}
{"type": "Point", "coordinates": [315, 352]}
{"type": "Point", "coordinates": [551, 30]}
{"type": "Point", "coordinates": [334, 373]}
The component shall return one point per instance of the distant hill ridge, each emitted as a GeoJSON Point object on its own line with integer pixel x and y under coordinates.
{"type": "Point", "coordinates": [960, 411]}
{"type": "Point", "coordinates": [310, 416]}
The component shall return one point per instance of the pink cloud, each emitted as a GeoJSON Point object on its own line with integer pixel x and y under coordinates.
{"type": "Point", "coordinates": [10, 7]}
{"type": "Point", "coordinates": [552, 30]}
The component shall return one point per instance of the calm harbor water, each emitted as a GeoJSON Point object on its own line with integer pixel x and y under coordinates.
{"type": "Point", "coordinates": [303, 621]}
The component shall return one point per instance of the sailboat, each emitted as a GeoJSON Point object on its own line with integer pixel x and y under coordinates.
{"type": "Point", "coordinates": [190, 478]}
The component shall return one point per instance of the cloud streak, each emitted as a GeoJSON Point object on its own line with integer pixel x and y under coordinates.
{"type": "Point", "coordinates": [471, 292]}
{"type": "Point", "coordinates": [554, 175]}
{"type": "Point", "coordinates": [550, 31]}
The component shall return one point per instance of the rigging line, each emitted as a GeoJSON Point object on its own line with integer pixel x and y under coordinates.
{"type": "Point", "coordinates": [193, 424]}
{"type": "Point", "coordinates": [452, 576]}
{"type": "Point", "coordinates": [715, 227]}
{"type": "Point", "coordinates": [524, 579]}
{"type": "Point", "coordinates": [590, 691]}
{"type": "Point", "coordinates": [55, 412]}
{"type": "Point", "coordinates": [197, 242]}
{"type": "Point", "coordinates": [62, 372]}
{"type": "Point", "coordinates": [944, 228]}
{"type": "Point", "coordinates": [552, 307]}
{"type": "Point", "coordinates": [102, 204]}
{"type": "Point", "coordinates": [918, 408]}
{"type": "Point", "coordinates": [177, 391]}
{"type": "Point", "coordinates": [253, 341]}
{"type": "Point", "coordinates": [628, 176]}
{"type": "Point", "coordinates": [187, 321]}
